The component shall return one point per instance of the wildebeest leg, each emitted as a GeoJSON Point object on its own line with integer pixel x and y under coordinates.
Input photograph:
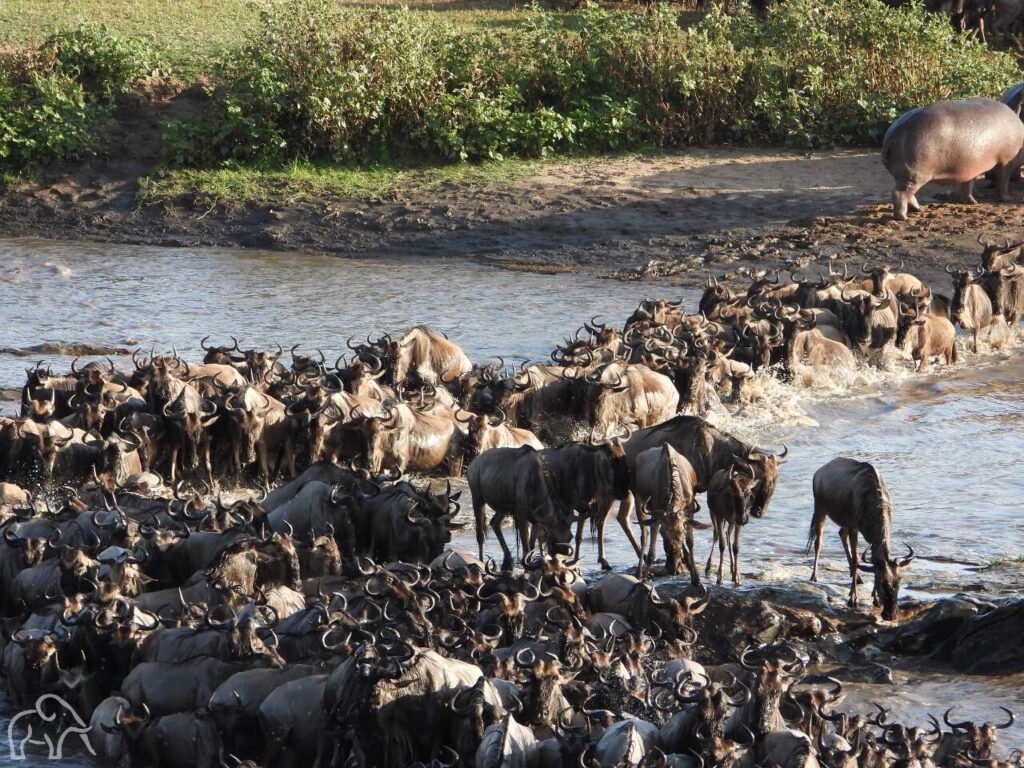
{"type": "Point", "coordinates": [261, 454]}
{"type": "Point", "coordinates": [720, 536]}
{"type": "Point", "coordinates": [736, 529]}
{"type": "Point", "coordinates": [851, 557]}
{"type": "Point", "coordinates": [174, 463]}
{"type": "Point", "coordinates": [967, 193]}
{"type": "Point", "coordinates": [854, 570]}
{"type": "Point", "coordinates": [690, 562]}
{"type": "Point", "coordinates": [644, 532]}
{"type": "Point", "coordinates": [602, 518]}
{"type": "Point", "coordinates": [579, 536]}
{"type": "Point", "coordinates": [714, 539]}
{"type": "Point", "coordinates": [623, 518]}
{"type": "Point", "coordinates": [207, 461]}
{"type": "Point", "coordinates": [652, 546]}
{"type": "Point", "coordinates": [817, 529]}
{"type": "Point", "coordinates": [506, 564]}
{"type": "Point", "coordinates": [478, 516]}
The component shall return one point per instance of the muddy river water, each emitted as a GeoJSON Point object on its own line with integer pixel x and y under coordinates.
{"type": "Point", "coordinates": [948, 444]}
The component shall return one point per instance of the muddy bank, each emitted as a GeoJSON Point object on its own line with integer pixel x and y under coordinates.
{"type": "Point", "coordinates": [668, 215]}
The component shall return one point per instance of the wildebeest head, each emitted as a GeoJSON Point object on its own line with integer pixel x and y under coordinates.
{"type": "Point", "coordinates": [862, 305]}
{"type": "Point", "coordinates": [248, 413]}
{"type": "Point", "coordinates": [32, 549]}
{"type": "Point", "coordinates": [996, 256]}
{"type": "Point", "coordinates": [607, 396]}
{"type": "Point", "coordinates": [471, 706]}
{"type": "Point", "coordinates": [119, 459]}
{"type": "Point", "coordinates": [878, 275]}
{"type": "Point", "coordinates": [673, 616]}
{"type": "Point", "coordinates": [715, 294]}
{"type": "Point", "coordinates": [712, 703]}
{"type": "Point", "coordinates": [769, 686]}
{"type": "Point", "coordinates": [77, 568]}
{"type": "Point", "coordinates": [39, 404]}
{"type": "Point", "coordinates": [887, 573]}
{"type": "Point", "coordinates": [744, 483]}
{"type": "Point", "coordinates": [657, 310]}
{"type": "Point", "coordinates": [766, 471]}
{"type": "Point", "coordinates": [980, 738]}
{"type": "Point", "coordinates": [381, 434]}
{"type": "Point", "coordinates": [540, 682]}
{"type": "Point", "coordinates": [962, 280]}
{"type": "Point", "coordinates": [40, 647]}
{"type": "Point", "coordinates": [244, 637]}
{"type": "Point", "coordinates": [191, 415]}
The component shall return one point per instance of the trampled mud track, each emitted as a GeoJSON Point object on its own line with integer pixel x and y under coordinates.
{"type": "Point", "coordinates": [677, 215]}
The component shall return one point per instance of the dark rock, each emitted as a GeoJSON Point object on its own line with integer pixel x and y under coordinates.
{"type": "Point", "coordinates": [991, 643]}
{"type": "Point", "coordinates": [868, 672]}
{"type": "Point", "coordinates": [932, 631]}
{"type": "Point", "coordinates": [69, 349]}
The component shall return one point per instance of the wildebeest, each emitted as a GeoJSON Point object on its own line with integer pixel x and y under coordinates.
{"type": "Point", "coordinates": [662, 483]}
{"type": "Point", "coordinates": [925, 337]}
{"type": "Point", "coordinates": [853, 495]}
{"type": "Point", "coordinates": [516, 482]}
{"type": "Point", "coordinates": [708, 450]}
{"type": "Point", "coordinates": [971, 308]}
{"type": "Point", "coordinates": [729, 499]}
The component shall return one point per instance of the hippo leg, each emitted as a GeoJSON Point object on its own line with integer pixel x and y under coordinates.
{"type": "Point", "coordinates": [903, 197]}
{"type": "Point", "coordinates": [1002, 178]}
{"type": "Point", "coordinates": [967, 193]}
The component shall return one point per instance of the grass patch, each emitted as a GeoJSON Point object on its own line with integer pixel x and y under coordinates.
{"type": "Point", "coordinates": [996, 562]}
{"type": "Point", "coordinates": [193, 35]}
{"type": "Point", "coordinates": [305, 181]}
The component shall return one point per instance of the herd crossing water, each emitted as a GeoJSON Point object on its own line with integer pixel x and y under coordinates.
{"type": "Point", "coordinates": [948, 443]}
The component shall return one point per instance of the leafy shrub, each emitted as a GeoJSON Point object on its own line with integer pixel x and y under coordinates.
{"type": "Point", "coordinates": [316, 81]}
{"type": "Point", "coordinates": [841, 71]}
{"type": "Point", "coordinates": [52, 98]}
{"type": "Point", "coordinates": [104, 64]}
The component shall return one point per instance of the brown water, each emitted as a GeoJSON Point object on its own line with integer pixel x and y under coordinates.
{"type": "Point", "coordinates": [948, 445]}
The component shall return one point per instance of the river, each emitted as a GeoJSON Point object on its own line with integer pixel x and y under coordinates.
{"type": "Point", "coordinates": [947, 443]}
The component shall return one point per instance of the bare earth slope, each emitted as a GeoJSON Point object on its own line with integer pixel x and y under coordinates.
{"type": "Point", "coordinates": [668, 214]}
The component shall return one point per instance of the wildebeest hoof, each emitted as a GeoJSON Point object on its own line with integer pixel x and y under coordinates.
{"type": "Point", "coordinates": [969, 200]}
{"type": "Point", "coordinates": [605, 566]}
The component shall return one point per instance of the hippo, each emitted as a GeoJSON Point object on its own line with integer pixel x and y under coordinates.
{"type": "Point", "coordinates": [952, 142]}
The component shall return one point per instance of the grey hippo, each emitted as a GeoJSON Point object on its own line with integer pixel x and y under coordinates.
{"type": "Point", "coordinates": [952, 142]}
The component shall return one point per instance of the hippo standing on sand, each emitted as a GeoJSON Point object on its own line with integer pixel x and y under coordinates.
{"type": "Point", "coordinates": [952, 142]}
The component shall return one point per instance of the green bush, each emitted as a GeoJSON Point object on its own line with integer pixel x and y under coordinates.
{"type": "Point", "coordinates": [104, 64]}
{"type": "Point", "coordinates": [841, 71]}
{"type": "Point", "coordinates": [53, 98]}
{"type": "Point", "coordinates": [315, 81]}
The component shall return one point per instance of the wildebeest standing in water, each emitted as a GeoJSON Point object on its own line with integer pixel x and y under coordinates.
{"type": "Point", "coordinates": [853, 495]}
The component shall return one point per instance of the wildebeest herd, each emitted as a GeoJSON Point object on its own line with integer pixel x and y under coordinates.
{"type": "Point", "coordinates": [323, 621]}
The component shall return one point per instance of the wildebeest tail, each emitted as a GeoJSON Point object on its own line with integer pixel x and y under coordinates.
{"type": "Point", "coordinates": [811, 536]}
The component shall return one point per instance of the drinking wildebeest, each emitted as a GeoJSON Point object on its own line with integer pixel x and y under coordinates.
{"type": "Point", "coordinates": [952, 142]}
{"type": "Point", "coordinates": [853, 495]}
